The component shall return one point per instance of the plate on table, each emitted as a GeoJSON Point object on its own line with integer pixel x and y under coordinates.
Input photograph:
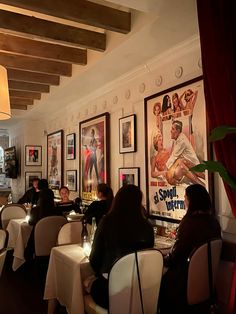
{"type": "Point", "coordinates": [76, 216]}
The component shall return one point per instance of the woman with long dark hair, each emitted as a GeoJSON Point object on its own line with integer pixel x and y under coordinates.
{"type": "Point", "coordinates": [198, 226]}
{"type": "Point", "coordinates": [123, 230]}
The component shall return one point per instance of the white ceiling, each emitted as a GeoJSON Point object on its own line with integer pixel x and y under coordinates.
{"type": "Point", "coordinates": [157, 26]}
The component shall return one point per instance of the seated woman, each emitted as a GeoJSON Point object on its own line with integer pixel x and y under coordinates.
{"type": "Point", "coordinates": [198, 226]}
{"type": "Point", "coordinates": [123, 230]}
{"type": "Point", "coordinates": [101, 207]}
{"type": "Point", "coordinates": [65, 205]}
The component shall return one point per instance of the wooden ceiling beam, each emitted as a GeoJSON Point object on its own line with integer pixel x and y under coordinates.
{"type": "Point", "coordinates": [43, 29]}
{"type": "Point", "coordinates": [35, 64]}
{"type": "Point", "coordinates": [33, 77]}
{"type": "Point", "coordinates": [41, 49]}
{"type": "Point", "coordinates": [24, 94]}
{"type": "Point", "coordinates": [81, 11]}
{"type": "Point", "coordinates": [21, 101]}
{"type": "Point", "coordinates": [31, 87]}
{"type": "Point", "coordinates": [20, 107]}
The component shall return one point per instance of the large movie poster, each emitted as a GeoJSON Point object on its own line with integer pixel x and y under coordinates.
{"type": "Point", "coordinates": [175, 141]}
{"type": "Point", "coordinates": [94, 150]}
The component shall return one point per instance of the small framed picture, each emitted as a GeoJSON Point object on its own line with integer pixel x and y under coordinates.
{"type": "Point", "coordinates": [70, 146]}
{"type": "Point", "coordinates": [33, 155]}
{"type": "Point", "coordinates": [71, 180]}
{"type": "Point", "coordinates": [129, 176]}
{"type": "Point", "coordinates": [30, 176]}
{"type": "Point", "coordinates": [127, 132]}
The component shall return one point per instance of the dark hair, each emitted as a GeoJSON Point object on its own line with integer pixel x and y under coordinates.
{"type": "Point", "coordinates": [199, 199]}
{"type": "Point", "coordinates": [165, 103]}
{"type": "Point", "coordinates": [127, 204]}
{"type": "Point", "coordinates": [43, 184]}
{"type": "Point", "coordinates": [64, 187]}
{"type": "Point", "coordinates": [35, 179]}
{"type": "Point", "coordinates": [178, 125]}
{"type": "Point", "coordinates": [106, 192]}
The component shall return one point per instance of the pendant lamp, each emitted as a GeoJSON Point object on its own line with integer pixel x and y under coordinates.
{"type": "Point", "coordinates": [5, 110]}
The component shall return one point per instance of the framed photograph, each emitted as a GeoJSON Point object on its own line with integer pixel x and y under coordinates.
{"type": "Point", "coordinates": [127, 132]}
{"type": "Point", "coordinates": [70, 146]}
{"type": "Point", "coordinates": [71, 180]}
{"type": "Point", "coordinates": [55, 159]}
{"type": "Point", "coordinates": [30, 176]}
{"type": "Point", "coordinates": [175, 141]}
{"type": "Point", "coordinates": [33, 155]}
{"type": "Point", "coordinates": [94, 154]}
{"type": "Point", "coordinates": [128, 176]}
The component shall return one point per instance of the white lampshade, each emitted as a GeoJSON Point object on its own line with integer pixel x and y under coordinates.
{"type": "Point", "coordinates": [5, 110]}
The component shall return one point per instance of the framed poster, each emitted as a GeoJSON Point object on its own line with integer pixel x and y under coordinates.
{"type": "Point", "coordinates": [127, 134]}
{"type": "Point", "coordinates": [94, 155]}
{"type": "Point", "coordinates": [128, 176]}
{"type": "Point", "coordinates": [70, 146]}
{"type": "Point", "coordinates": [30, 176]}
{"type": "Point", "coordinates": [71, 180]}
{"type": "Point", "coordinates": [175, 141]}
{"type": "Point", "coordinates": [55, 159]}
{"type": "Point", "coordinates": [33, 155]}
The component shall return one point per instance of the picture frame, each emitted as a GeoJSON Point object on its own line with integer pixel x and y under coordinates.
{"type": "Point", "coordinates": [70, 146]}
{"type": "Point", "coordinates": [55, 159]}
{"type": "Point", "coordinates": [129, 176]}
{"type": "Point", "coordinates": [94, 159]}
{"type": "Point", "coordinates": [29, 176]}
{"type": "Point", "coordinates": [71, 180]}
{"type": "Point", "coordinates": [175, 113]}
{"type": "Point", "coordinates": [33, 155]}
{"type": "Point", "coordinates": [127, 134]}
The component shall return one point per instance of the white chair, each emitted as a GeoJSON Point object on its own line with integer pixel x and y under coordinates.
{"type": "Point", "coordinates": [11, 211]}
{"type": "Point", "coordinates": [46, 233]}
{"type": "Point", "coordinates": [70, 233]}
{"type": "Point", "coordinates": [202, 272]}
{"type": "Point", "coordinates": [123, 283]}
{"type": "Point", "coordinates": [3, 250]}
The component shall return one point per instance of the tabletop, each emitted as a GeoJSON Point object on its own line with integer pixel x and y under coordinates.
{"type": "Point", "coordinates": [19, 232]}
{"type": "Point", "coordinates": [68, 265]}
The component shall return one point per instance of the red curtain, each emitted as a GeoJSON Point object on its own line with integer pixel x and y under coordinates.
{"type": "Point", "coordinates": [217, 25]}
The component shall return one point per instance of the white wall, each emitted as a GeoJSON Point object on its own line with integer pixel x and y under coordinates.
{"type": "Point", "coordinates": [120, 98]}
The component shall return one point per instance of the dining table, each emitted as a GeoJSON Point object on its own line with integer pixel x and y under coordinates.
{"type": "Point", "coordinates": [68, 267]}
{"type": "Point", "coordinates": [19, 232]}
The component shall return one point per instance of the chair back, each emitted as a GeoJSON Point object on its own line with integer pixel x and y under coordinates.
{"type": "Point", "coordinates": [46, 233]}
{"type": "Point", "coordinates": [3, 239]}
{"type": "Point", "coordinates": [2, 259]}
{"type": "Point", "coordinates": [124, 293]}
{"type": "Point", "coordinates": [11, 211]}
{"type": "Point", "coordinates": [70, 233]}
{"type": "Point", "coordinates": [202, 272]}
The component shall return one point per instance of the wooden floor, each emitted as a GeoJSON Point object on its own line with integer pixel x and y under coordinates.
{"type": "Point", "coordinates": [21, 292]}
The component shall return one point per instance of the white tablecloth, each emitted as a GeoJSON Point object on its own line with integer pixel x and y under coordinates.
{"type": "Point", "coordinates": [19, 232]}
{"type": "Point", "coordinates": [64, 279]}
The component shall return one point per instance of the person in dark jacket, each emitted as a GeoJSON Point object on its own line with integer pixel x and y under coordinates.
{"type": "Point", "coordinates": [198, 226]}
{"type": "Point", "coordinates": [123, 230]}
{"type": "Point", "coordinates": [31, 195]}
{"type": "Point", "coordinates": [101, 207]}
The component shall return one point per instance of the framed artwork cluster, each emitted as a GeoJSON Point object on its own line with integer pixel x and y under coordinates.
{"type": "Point", "coordinates": [33, 157]}
{"type": "Point", "coordinates": [175, 141]}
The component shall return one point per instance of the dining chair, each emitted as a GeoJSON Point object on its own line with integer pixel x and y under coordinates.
{"type": "Point", "coordinates": [133, 284]}
{"type": "Point", "coordinates": [46, 233]}
{"type": "Point", "coordinates": [70, 233]}
{"type": "Point", "coordinates": [3, 248]}
{"type": "Point", "coordinates": [202, 272]}
{"type": "Point", "coordinates": [11, 211]}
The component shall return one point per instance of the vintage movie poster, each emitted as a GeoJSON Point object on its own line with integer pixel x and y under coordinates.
{"type": "Point", "coordinates": [93, 155]}
{"type": "Point", "coordinates": [176, 140]}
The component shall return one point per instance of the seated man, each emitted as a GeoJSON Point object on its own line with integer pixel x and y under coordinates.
{"type": "Point", "coordinates": [31, 195]}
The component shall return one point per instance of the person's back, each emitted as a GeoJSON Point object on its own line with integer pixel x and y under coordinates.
{"type": "Point", "coordinates": [123, 230]}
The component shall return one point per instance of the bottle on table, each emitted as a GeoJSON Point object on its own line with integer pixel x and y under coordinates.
{"type": "Point", "coordinates": [84, 233]}
{"type": "Point", "coordinates": [93, 230]}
